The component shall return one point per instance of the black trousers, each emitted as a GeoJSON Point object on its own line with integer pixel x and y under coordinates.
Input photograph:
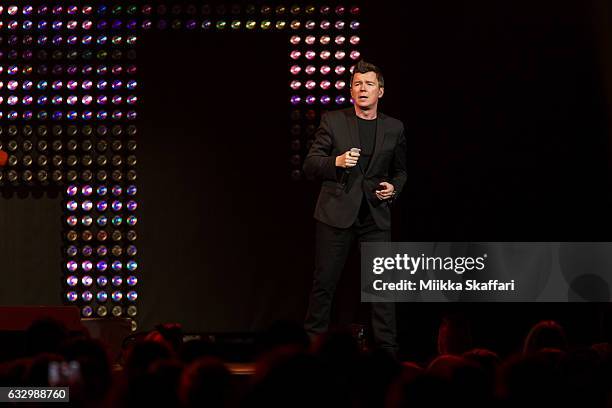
{"type": "Point", "coordinates": [331, 251]}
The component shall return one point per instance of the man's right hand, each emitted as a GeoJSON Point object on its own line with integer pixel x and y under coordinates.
{"type": "Point", "coordinates": [347, 159]}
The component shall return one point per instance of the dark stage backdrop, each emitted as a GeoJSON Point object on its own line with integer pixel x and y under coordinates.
{"type": "Point", "coordinates": [30, 248]}
{"type": "Point", "coordinates": [225, 235]}
{"type": "Point", "coordinates": [506, 108]}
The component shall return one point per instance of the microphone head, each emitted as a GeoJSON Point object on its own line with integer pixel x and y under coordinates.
{"type": "Point", "coordinates": [3, 158]}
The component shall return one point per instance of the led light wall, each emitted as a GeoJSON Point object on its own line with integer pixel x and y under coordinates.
{"type": "Point", "coordinates": [69, 98]}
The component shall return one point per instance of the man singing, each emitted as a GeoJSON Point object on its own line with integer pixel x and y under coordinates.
{"type": "Point", "coordinates": [360, 155]}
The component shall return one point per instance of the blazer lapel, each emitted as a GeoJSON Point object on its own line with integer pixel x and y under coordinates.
{"type": "Point", "coordinates": [351, 118]}
{"type": "Point", "coordinates": [380, 139]}
{"type": "Point", "coordinates": [353, 128]}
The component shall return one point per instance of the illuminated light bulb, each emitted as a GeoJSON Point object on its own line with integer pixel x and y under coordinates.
{"type": "Point", "coordinates": [295, 24]}
{"type": "Point", "coordinates": [325, 69]}
{"type": "Point", "coordinates": [72, 266]}
{"type": "Point", "coordinates": [87, 220]}
{"type": "Point", "coordinates": [355, 25]}
{"type": "Point", "coordinates": [102, 281]}
{"type": "Point", "coordinates": [72, 251]}
{"type": "Point", "coordinates": [117, 205]}
{"type": "Point", "coordinates": [295, 69]}
{"type": "Point", "coordinates": [310, 84]}
{"type": "Point", "coordinates": [102, 221]}
{"type": "Point", "coordinates": [325, 25]}
{"type": "Point", "coordinates": [310, 54]}
{"type": "Point", "coordinates": [72, 220]}
{"type": "Point", "coordinates": [340, 54]}
{"type": "Point", "coordinates": [355, 40]}
{"type": "Point", "coordinates": [87, 280]}
{"type": "Point", "coordinates": [72, 296]}
{"type": "Point", "coordinates": [340, 84]}
{"type": "Point", "coordinates": [325, 39]}
{"type": "Point", "coordinates": [72, 280]}
{"type": "Point", "coordinates": [295, 100]}
{"type": "Point", "coordinates": [87, 205]}
{"type": "Point", "coordinates": [325, 100]}
{"type": "Point", "coordinates": [310, 40]}
{"type": "Point", "coordinates": [325, 84]}
{"type": "Point", "coordinates": [102, 311]}
{"type": "Point", "coordinates": [310, 69]}
{"type": "Point", "coordinates": [310, 25]}
{"type": "Point", "coordinates": [295, 54]}
{"type": "Point", "coordinates": [340, 69]}
{"type": "Point", "coordinates": [310, 99]}
{"type": "Point", "coordinates": [87, 266]}
{"type": "Point", "coordinates": [325, 54]}
{"type": "Point", "coordinates": [295, 84]}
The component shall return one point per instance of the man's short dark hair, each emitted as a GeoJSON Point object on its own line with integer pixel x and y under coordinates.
{"type": "Point", "coordinates": [363, 67]}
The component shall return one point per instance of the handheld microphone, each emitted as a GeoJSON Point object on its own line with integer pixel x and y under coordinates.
{"type": "Point", "coordinates": [3, 158]}
{"type": "Point", "coordinates": [347, 171]}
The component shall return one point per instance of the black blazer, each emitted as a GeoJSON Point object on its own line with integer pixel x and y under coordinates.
{"type": "Point", "coordinates": [338, 204]}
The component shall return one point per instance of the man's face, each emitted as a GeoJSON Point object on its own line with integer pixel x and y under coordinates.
{"type": "Point", "coordinates": [365, 90]}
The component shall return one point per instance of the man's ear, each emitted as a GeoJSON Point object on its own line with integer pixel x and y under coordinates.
{"type": "Point", "coordinates": [381, 92]}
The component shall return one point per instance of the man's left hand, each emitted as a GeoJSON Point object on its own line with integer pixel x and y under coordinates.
{"type": "Point", "coordinates": [385, 191]}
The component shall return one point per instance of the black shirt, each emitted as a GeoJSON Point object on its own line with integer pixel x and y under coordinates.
{"type": "Point", "coordinates": [367, 137]}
